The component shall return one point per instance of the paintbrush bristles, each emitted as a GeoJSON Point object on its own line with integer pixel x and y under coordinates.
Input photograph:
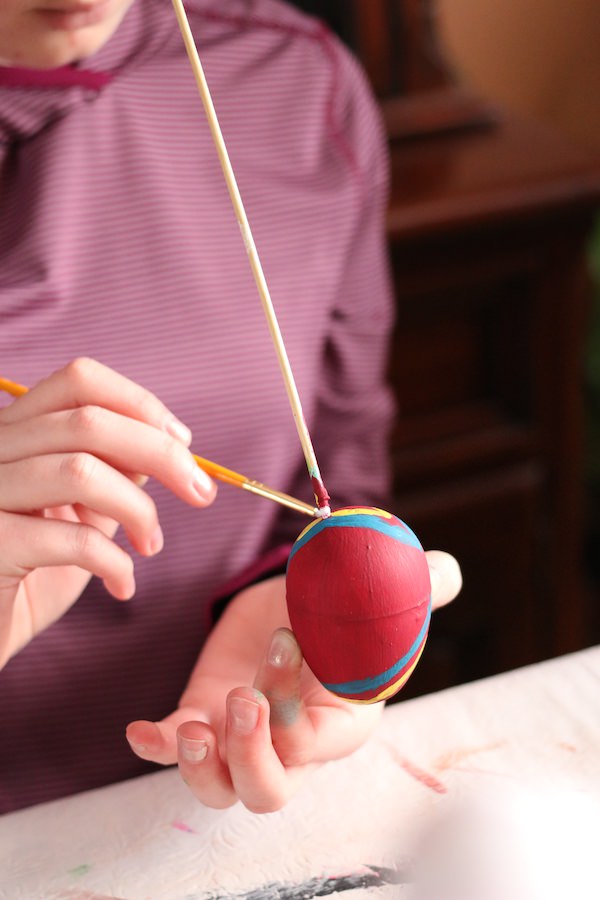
{"type": "Point", "coordinates": [255, 264]}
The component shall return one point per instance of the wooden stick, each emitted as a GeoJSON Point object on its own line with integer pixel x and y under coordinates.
{"type": "Point", "coordinates": [227, 476]}
{"type": "Point", "coordinates": [321, 495]}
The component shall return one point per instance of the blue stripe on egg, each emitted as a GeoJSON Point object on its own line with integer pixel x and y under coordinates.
{"type": "Point", "coordinates": [377, 681]}
{"type": "Point", "coordinates": [374, 523]}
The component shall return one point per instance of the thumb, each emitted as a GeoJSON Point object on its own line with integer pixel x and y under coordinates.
{"type": "Point", "coordinates": [446, 577]}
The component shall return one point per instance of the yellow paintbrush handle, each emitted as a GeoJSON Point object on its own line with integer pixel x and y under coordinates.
{"type": "Point", "coordinates": [11, 387]}
{"type": "Point", "coordinates": [227, 476]}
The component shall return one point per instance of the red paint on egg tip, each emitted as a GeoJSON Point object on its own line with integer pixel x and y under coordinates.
{"type": "Point", "coordinates": [320, 492]}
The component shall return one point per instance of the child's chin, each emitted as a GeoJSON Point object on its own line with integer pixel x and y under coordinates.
{"type": "Point", "coordinates": [62, 48]}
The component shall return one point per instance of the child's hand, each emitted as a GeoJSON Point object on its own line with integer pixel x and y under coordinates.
{"type": "Point", "coordinates": [74, 452]}
{"type": "Point", "coordinates": [257, 744]}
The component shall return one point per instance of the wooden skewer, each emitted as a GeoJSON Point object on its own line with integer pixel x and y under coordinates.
{"type": "Point", "coordinates": [321, 495]}
{"type": "Point", "coordinates": [227, 476]}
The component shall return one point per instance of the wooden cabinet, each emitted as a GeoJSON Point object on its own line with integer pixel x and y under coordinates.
{"type": "Point", "coordinates": [488, 222]}
{"type": "Point", "coordinates": [487, 235]}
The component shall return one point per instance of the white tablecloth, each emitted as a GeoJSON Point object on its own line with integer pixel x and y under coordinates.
{"type": "Point", "coordinates": [352, 823]}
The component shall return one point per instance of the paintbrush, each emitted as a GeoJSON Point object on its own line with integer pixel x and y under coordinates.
{"type": "Point", "coordinates": [227, 476]}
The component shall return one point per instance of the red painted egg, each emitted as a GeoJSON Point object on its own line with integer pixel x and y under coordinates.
{"type": "Point", "coordinates": [359, 601]}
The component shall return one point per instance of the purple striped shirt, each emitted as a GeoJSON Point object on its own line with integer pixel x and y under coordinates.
{"type": "Point", "coordinates": [118, 241]}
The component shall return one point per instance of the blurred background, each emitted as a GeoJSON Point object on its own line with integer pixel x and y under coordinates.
{"type": "Point", "coordinates": [492, 109]}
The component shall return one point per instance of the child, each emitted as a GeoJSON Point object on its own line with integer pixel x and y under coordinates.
{"type": "Point", "coordinates": [121, 265]}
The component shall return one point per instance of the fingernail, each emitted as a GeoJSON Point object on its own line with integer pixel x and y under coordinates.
{"type": "Point", "coordinates": [179, 431]}
{"type": "Point", "coordinates": [282, 650]}
{"type": "Point", "coordinates": [138, 748]}
{"type": "Point", "coordinates": [130, 588]}
{"type": "Point", "coordinates": [157, 541]}
{"type": "Point", "coordinates": [202, 483]}
{"type": "Point", "coordinates": [434, 577]}
{"type": "Point", "coordinates": [243, 715]}
{"type": "Point", "coordinates": [191, 750]}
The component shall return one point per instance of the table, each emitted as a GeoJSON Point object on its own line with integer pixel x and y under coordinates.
{"type": "Point", "coordinates": [349, 828]}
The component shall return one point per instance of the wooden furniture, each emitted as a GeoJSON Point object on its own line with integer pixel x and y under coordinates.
{"type": "Point", "coordinates": [395, 39]}
{"type": "Point", "coordinates": [487, 235]}
{"type": "Point", "coordinates": [398, 45]}
{"type": "Point", "coordinates": [487, 225]}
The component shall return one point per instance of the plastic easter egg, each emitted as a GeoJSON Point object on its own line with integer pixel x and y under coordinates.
{"type": "Point", "coordinates": [359, 601]}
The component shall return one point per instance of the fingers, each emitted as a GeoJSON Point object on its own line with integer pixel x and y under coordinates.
{"type": "Point", "coordinates": [269, 741]}
{"type": "Point", "coordinates": [279, 679]}
{"type": "Point", "coordinates": [202, 768]}
{"type": "Point", "coordinates": [245, 767]}
{"type": "Point", "coordinates": [85, 382]}
{"type": "Point", "coordinates": [123, 442]}
{"type": "Point", "coordinates": [157, 741]}
{"type": "Point", "coordinates": [446, 577]}
{"type": "Point", "coordinates": [28, 542]}
{"type": "Point", "coordinates": [56, 480]}
{"type": "Point", "coordinates": [252, 773]}
{"type": "Point", "coordinates": [259, 778]}
{"type": "Point", "coordinates": [308, 723]}
{"type": "Point", "coordinates": [184, 737]}
{"type": "Point", "coordinates": [151, 742]}
{"type": "Point", "coordinates": [83, 438]}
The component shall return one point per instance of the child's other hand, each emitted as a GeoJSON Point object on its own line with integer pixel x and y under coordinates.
{"type": "Point", "coordinates": [257, 744]}
{"type": "Point", "coordinates": [74, 453]}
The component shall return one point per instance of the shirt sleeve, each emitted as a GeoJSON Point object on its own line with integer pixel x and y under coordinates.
{"type": "Point", "coordinates": [355, 407]}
